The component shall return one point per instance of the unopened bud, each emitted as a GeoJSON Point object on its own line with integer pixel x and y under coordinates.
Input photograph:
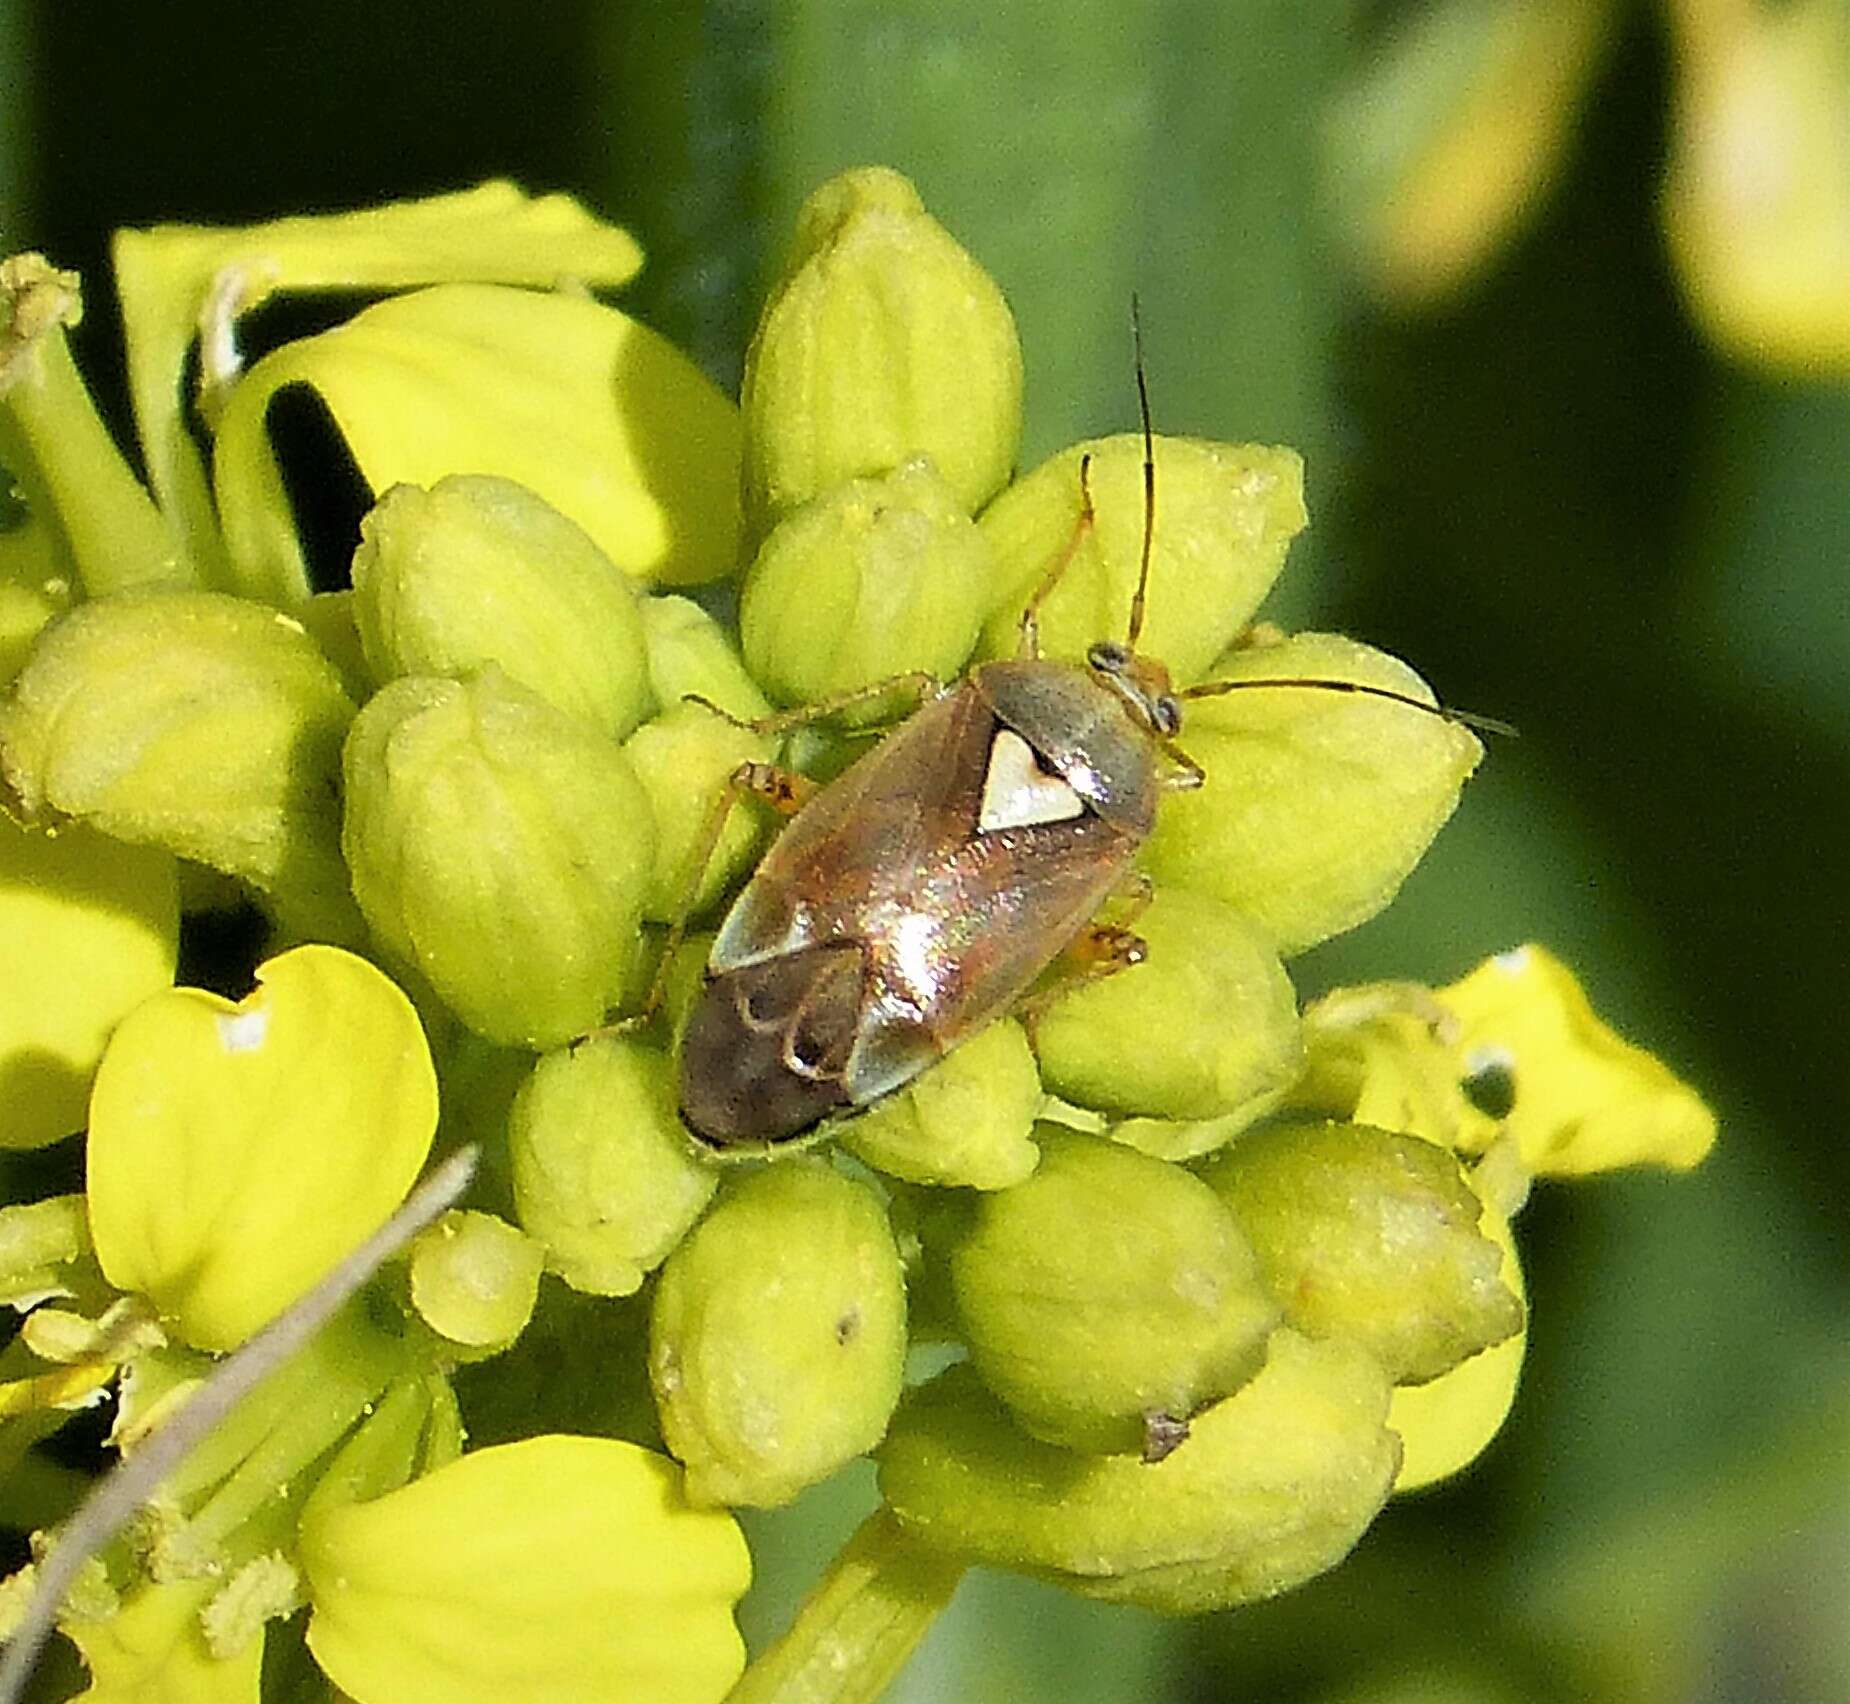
{"type": "Point", "coordinates": [1225, 514]}
{"type": "Point", "coordinates": [1205, 1027]}
{"type": "Point", "coordinates": [1272, 1486]}
{"type": "Point", "coordinates": [883, 340]}
{"type": "Point", "coordinates": [500, 846]}
{"type": "Point", "coordinates": [478, 570]}
{"type": "Point", "coordinates": [474, 1279]}
{"type": "Point", "coordinates": [877, 577]}
{"type": "Point", "coordinates": [1372, 1237]}
{"type": "Point", "coordinates": [193, 721]}
{"type": "Point", "coordinates": [1099, 1338]}
{"type": "Point", "coordinates": [966, 1123]}
{"type": "Point", "coordinates": [779, 1335]}
{"type": "Point", "coordinates": [604, 1174]}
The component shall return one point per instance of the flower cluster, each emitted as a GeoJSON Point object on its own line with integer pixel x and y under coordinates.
{"type": "Point", "coordinates": [1215, 1277]}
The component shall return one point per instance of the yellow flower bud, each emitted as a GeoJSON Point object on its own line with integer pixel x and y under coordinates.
{"type": "Point", "coordinates": [196, 722]}
{"type": "Point", "coordinates": [1370, 1236]}
{"type": "Point", "coordinates": [474, 1279]}
{"type": "Point", "coordinates": [882, 340]}
{"type": "Point", "coordinates": [478, 570]}
{"type": "Point", "coordinates": [1317, 804]}
{"type": "Point", "coordinates": [779, 1335]}
{"type": "Point", "coordinates": [502, 848]}
{"type": "Point", "coordinates": [604, 1172]}
{"type": "Point", "coordinates": [690, 653]}
{"type": "Point", "coordinates": [684, 759]}
{"type": "Point", "coordinates": [875, 578]}
{"type": "Point", "coordinates": [1109, 1297]}
{"type": "Point", "coordinates": [1272, 1486]}
{"type": "Point", "coordinates": [1205, 1027]}
{"type": "Point", "coordinates": [967, 1123]}
{"type": "Point", "coordinates": [1225, 515]}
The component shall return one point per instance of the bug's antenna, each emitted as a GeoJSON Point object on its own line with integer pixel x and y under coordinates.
{"type": "Point", "coordinates": [133, 1480]}
{"type": "Point", "coordinates": [1445, 713]}
{"type": "Point", "coordinates": [1149, 475]}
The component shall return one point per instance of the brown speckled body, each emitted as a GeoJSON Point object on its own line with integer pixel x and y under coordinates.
{"type": "Point", "coordinates": [884, 926]}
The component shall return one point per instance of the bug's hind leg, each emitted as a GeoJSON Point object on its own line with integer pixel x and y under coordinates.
{"type": "Point", "coordinates": [786, 792]}
{"type": "Point", "coordinates": [1100, 950]}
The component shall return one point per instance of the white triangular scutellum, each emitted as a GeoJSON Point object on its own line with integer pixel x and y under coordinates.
{"type": "Point", "coordinates": [1018, 792]}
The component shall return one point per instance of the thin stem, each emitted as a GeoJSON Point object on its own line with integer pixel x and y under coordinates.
{"type": "Point", "coordinates": [858, 1627]}
{"type": "Point", "coordinates": [121, 1491]}
{"type": "Point", "coordinates": [59, 451]}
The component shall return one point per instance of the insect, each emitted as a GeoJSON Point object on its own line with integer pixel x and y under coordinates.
{"type": "Point", "coordinates": [927, 889]}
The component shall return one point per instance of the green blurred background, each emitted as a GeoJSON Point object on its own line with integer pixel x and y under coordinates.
{"type": "Point", "coordinates": [1424, 245]}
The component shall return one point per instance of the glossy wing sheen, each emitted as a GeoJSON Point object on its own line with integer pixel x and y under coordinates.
{"type": "Point", "coordinates": [952, 924]}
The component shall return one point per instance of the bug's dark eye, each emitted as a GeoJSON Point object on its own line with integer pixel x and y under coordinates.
{"type": "Point", "coordinates": [1109, 657]}
{"type": "Point", "coordinates": [1166, 713]}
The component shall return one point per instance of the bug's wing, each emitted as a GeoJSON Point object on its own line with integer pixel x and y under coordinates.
{"type": "Point", "coordinates": [953, 921]}
{"type": "Point", "coordinates": [899, 810]}
{"type": "Point", "coordinates": [766, 1050]}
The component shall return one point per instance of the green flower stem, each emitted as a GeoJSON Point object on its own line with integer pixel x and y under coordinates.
{"type": "Point", "coordinates": [858, 1627]}
{"type": "Point", "coordinates": [56, 447]}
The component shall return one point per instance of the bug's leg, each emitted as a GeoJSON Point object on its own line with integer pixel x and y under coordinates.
{"type": "Point", "coordinates": [786, 792]}
{"type": "Point", "coordinates": [1101, 950]}
{"type": "Point", "coordinates": [919, 683]}
{"type": "Point", "coordinates": [1029, 644]}
{"type": "Point", "coordinates": [1186, 774]}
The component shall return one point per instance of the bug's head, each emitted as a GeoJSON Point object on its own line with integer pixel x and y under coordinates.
{"type": "Point", "coordinates": [1142, 682]}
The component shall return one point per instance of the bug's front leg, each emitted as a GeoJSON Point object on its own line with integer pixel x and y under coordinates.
{"type": "Point", "coordinates": [1028, 640]}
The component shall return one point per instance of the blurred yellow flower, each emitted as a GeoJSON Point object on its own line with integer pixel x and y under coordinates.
{"type": "Point", "coordinates": [1757, 193]}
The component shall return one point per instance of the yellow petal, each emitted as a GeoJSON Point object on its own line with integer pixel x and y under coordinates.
{"type": "Point", "coordinates": [1446, 1424]}
{"type": "Point", "coordinates": [1382, 1053]}
{"type": "Point", "coordinates": [67, 1387]}
{"type": "Point", "coordinates": [181, 281]}
{"type": "Point", "coordinates": [1585, 1099]}
{"type": "Point", "coordinates": [558, 1570]}
{"type": "Point", "coordinates": [582, 405]}
{"type": "Point", "coordinates": [88, 929]}
{"type": "Point", "coordinates": [236, 1152]}
{"type": "Point", "coordinates": [152, 1651]}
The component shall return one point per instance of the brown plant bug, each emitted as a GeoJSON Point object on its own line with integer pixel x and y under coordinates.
{"type": "Point", "coordinates": [927, 889]}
